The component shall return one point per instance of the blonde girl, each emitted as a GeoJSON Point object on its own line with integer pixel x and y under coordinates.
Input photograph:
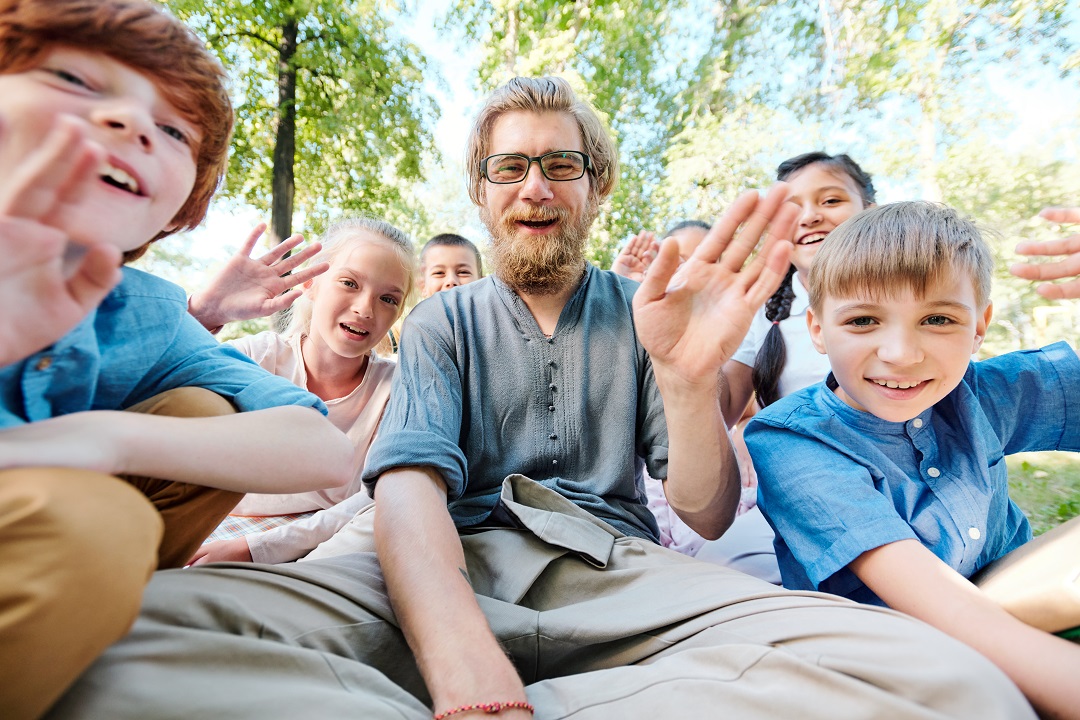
{"type": "Point", "coordinates": [329, 346]}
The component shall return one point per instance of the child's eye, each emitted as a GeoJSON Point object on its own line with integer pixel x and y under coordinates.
{"type": "Point", "coordinates": [465, 273]}
{"type": "Point", "coordinates": [174, 133]}
{"type": "Point", "coordinates": [831, 201]}
{"type": "Point", "coordinates": [438, 274]}
{"type": "Point", "coordinates": [69, 77]}
{"type": "Point", "coordinates": [863, 321]}
{"type": "Point", "coordinates": [938, 320]}
{"type": "Point", "coordinates": [390, 299]}
{"type": "Point", "coordinates": [349, 283]}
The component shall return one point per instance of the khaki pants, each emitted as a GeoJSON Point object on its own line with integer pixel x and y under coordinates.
{"type": "Point", "coordinates": [599, 625]}
{"type": "Point", "coordinates": [77, 550]}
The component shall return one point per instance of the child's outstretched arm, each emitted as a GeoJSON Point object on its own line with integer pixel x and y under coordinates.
{"type": "Point", "coordinates": [275, 450]}
{"type": "Point", "coordinates": [250, 287]}
{"type": "Point", "coordinates": [42, 300]}
{"type": "Point", "coordinates": [1066, 267]}
{"type": "Point", "coordinates": [911, 579]}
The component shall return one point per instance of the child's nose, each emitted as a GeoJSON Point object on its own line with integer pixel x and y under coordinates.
{"type": "Point", "coordinates": [124, 119]}
{"type": "Point", "coordinates": [898, 347]}
{"type": "Point", "coordinates": [809, 216]}
{"type": "Point", "coordinates": [450, 281]}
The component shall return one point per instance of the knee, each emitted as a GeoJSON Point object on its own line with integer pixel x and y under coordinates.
{"type": "Point", "coordinates": [186, 402]}
{"type": "Point", "coordinates": [78, 523]}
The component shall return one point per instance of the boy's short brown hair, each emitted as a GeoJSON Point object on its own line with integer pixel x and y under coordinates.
{"type": "Point", "coordinates": [144, 36]}
{"type": "Point", "coordinates": [894, 247]}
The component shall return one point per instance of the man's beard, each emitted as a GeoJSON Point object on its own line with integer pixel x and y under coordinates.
{"type": "Point", "coordinates": [543, 264]}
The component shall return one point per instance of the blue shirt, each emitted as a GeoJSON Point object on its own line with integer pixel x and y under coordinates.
{"type": "Point", "coordinates": [835, 482]}
{"type": "Point", "coordinates": [481, 393]}
{"type": "Point", "coordinates": [140, 341]}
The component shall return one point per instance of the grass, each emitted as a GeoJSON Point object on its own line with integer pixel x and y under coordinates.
{"type": "Point", "coordinates": [1046, 486]}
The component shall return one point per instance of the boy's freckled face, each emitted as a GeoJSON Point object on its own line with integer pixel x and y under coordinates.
{"type": "Point", "coordinates": [896, 356]}
{"type": "Point", "coordinates": [447, 266]}
{"type": "Point", "coordinates": [149, 146]}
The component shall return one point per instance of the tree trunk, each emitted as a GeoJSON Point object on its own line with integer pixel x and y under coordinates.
{"type": "Point", "coordinates": [282, 185]}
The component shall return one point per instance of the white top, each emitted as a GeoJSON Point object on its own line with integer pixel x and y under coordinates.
{"type": "Point", "coordinates": [357, 415]}
{"type": "Point", "coordinates": [805, 365]}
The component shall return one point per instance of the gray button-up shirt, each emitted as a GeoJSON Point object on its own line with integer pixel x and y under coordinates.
{"type": "Point", "coordinates": [482, 393]}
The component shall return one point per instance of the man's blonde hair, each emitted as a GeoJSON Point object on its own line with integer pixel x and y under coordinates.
{"type": "Point", "coordinates": [905, 245]}
{"type": "Point", "coordinates": [543, 95]}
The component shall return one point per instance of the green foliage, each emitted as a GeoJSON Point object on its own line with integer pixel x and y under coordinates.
{"type": "Point", "coordinates": [362, 116]}
{"type": "Point", "coordinates": [1046, 486]}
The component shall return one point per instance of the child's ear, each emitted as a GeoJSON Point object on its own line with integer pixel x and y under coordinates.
{"type": "Point", "coordinates": [980, 327]}
{"type": "Point", "coordinates": [815, 331]}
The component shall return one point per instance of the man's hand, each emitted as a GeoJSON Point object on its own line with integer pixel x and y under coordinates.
{"type": "Point", "coordinates": [234, 550]}
{"type": "Point", "coordinates": [634, 260]}
{"type": "Point", "coordinates": [250, 287]}
{"type": "Point", "coordinates": [691, 318]}
{"type": "Point", "coordinates": [41, 302]}
{"type": "Point", "coordinates": [1066, 267]}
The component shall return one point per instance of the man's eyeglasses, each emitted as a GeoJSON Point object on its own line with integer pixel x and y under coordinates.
{"type": "Point", "coordinates": [558, 166]}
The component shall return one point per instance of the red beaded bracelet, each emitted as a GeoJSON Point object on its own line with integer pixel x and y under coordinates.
{"type": "Point", "coordinates": [488, 708]}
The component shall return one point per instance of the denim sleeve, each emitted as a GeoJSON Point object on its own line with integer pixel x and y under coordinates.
{"type": "Point", "coordinates": [822, 504]}
{"type": "Point", "coordinates": [422, 424]}
{"type": "Point", "coordinates": [195, 359]}
{"type": "Point", "coordinates": [1031, 398]}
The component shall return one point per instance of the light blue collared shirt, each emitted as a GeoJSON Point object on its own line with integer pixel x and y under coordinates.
{"type": "Point", "coordinates": [139, 342]}
{"type": "Point", "coordinates": [835, 482]}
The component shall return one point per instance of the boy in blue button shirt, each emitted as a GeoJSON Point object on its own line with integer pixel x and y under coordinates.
{"type": "Point", "coordinates": [887, 483]}
{"type": "Point", "coordinates": [126, 431]}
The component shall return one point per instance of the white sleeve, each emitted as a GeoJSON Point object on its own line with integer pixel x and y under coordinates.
{"type": "Point", "coordinates": [755, 338]}
{"type": "Point", "coordinates": [296, 539]}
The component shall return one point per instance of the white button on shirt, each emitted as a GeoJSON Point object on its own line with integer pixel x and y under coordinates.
{"type": "Point", "coordinates": [917, 422]}
{"type": "Point", "coordinates": [933, 472]}
{"type": "Point", "coordinates": [974, 533]}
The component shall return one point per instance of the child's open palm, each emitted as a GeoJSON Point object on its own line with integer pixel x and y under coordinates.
{"type": "Point", "coordinates": [39, 301]}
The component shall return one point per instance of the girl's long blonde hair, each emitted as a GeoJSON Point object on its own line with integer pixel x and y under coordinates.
{"type": "Point", "coordinates": [343, 235]}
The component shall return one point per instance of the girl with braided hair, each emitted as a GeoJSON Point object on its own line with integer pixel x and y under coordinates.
{"type": "Point", "coordinates": [777, 357]}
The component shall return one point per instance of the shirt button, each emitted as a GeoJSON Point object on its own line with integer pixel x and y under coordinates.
{"type": "Point", "coordinates": [551, 341]}
{"type": "Point", "coordinates": [917, 423]}
{"type": "Point", "coordinates": [973, 533]}
{"type": "Point", "coordinates": [551, 363]}
{"type": "Point", "coordinates": [551, 387]}
{"type": "Point", "coordinates": [554, 462]}
{"type": "Point", "coordinates": [551, 408]}
{"type": "Point", "coordinates": [553, 436]}
{"type": "Point", "coordinates": [44, 363]}
{"type": "Point", "coordinates": [933, 472]}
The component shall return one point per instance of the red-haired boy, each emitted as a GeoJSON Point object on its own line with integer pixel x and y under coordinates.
{"type": "Point", "coordinates": [114, 132]}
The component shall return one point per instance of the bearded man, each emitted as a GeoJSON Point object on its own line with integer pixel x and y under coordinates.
{"type": "Point", "coordinates": [517, 569]}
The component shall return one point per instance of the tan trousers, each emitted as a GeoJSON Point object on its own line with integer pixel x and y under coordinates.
{"type": "Point", "coordinates": [599, 625]}
{"type": "Point", "coordinates": [77, 549]}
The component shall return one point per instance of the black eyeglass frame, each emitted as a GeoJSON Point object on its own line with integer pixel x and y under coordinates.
{"type": "Point", "coordinates": [539, 160]}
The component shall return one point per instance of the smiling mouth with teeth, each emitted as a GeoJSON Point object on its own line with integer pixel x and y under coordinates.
{"type": "Point", "coordinates": [354, 331]}
{"type": "Point", "coordinates": [897, 385]}
{"type": "Point", "coordinates": [537, 223]}
{"type": "Point", "coordinates": [812, 239]}
{"type": "Point", "coordinates": [119, 179]}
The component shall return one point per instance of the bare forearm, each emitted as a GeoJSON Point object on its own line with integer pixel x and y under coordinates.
{"type": "Point", "coordinates": [283, 449]}
{"type": "Point", "coordinates": [703, 482]}
{"type": "Point", "coordinates": [910, 579]}
{"type": "Point", "coordinates": [424, 568]}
